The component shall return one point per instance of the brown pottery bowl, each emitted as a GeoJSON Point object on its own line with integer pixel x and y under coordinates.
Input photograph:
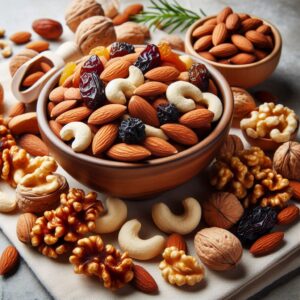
{"type": "Point", "coordinates": [247, 75]}
{"type": "Point", "coordinates": [134, 180]}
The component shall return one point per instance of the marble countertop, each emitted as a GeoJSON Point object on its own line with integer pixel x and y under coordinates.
{"type": "Point", "coordinates": [17, 15]}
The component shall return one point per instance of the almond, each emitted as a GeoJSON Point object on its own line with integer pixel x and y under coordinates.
{"type": "Point", "coordinates": [73, 115]}
{"type": "Point", "coordinates": [47, 28]}
{"type": "Point", "coordinates": [25, 123]}
{"type": "Point", "coordinates": [242, 43]}
{"type": "Point", "coordinates": [143, 281]}
{"type": "Point", "coordinates": [160, 101]}
{"type": "Point", "coordinates": [258, 39]}
{"type": "Point", "coordinates": [159, 147]}
{"type": "Point", "coordinates": [17, 109]}
{"type": "Point", "coordinates": [219, 34]}
{"type": "Point", "coordinates": [150, 89]}
{"type": "Point", "coordinates": [20, 37]}
{"type": "Point", "coordinates": [33, 145]}
{"type": "Point", "coordinates": [120, 19]}
{"type": "Point", "coordinates": [62, 107]}
{"type": "Point", "coordinates": [243, 59]}
{"type": "Point", "coordinates": [212, 21]}
{"type": "Point", "coordinates": [264, 29]}
{"type": "Point", "coordinates": [197, 118]}
{"type": "Point", "coordinates": [38, 46]}
{"type": "Point", "coordinates": [118, 69]}
{"type": "Point", "coordinates": [129, 153]}
{"type": "Point", "coordinates": [24, 226]}
{"type": "Point", "coordinates": [32, 78]}
{"type": "Point", "coordinates": [207, 55]}
{"type": "Point", "coordinates": [55, 127]}
{"type": "Point", "coordinates": [224, 50]}
{"type": "Point", "coordinates": [45, 67]}
{"type": "Point", "coordinates": [212, 88]}
{"type": "Point", "coordinates": [203, 30]}
{"type": "Point", "coordinates": [296, 189]}
{"type": "Point", "coordinates": [104, 138]}
{"type": "Point", "coordinates": [180, 134]}
{"type": "Point", "coordinates": [133, 9]}
{"type": "Point", "coordinates": [250, 24]}
{"type": "Point", "coordinates": [243, 16]}
{"type": "Point", "coordinates": [132, 57]}
{"type": "Point", "coordinates": [57, 95]}
{"type": "Point", "coordinates": [8, 260]}
{"type": "Point", "coordinates": [267, 244]}
{"type": "Point", "coordinates": [203, 43]}
{"type": "Point", "coordinates": [233, 22]}
{"type": "Point", "coordinates": [68, 83]}
{"type": "Point", "coordinates": [176, 240]}
{"type": "Point", "coordinates": [107, 114]}
{"type": "Point", "coordinates": [260, 54]}
{"type": "Point", "coordinates": [288, 215]}
{"type": "Point", "coordinates": [50, 107]}
{"type": "Point", "coordinates": [140, 108]}
{"type": "Point", "coordinates": [223, 14]}
{"type": "Point", "coordinates": [163, 74]}
{"type": "Point", "coordinates": [72, 94]}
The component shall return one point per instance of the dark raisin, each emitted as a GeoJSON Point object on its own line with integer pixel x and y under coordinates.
{"type": "Point", "coordinates": [199, 76]}
{"type": "Point", "coordinates": [120, 49]}
{"type": "Point", "coordinates": [255, 223]}
{"type": "Point", "coordinates": [148, 59]}
{"type": "Point", "coordinates": [132, 131]}
{"type": "Point", "coordinates": [92, 90]}
{"type": "Point", "coordinates": [93, 64]}
{"type": "Point", "coordinates": [167, 114]}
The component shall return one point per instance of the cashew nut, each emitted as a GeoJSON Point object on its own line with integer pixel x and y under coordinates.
{"type": "Point", "coordinates": [153, 131]}
{"type": "Point", "coordinates": [80, 132]}
{"type": "Point", "coordinates": [6, 49]}
{"type": "Point", "coordinates": [137, 248]}
{"type": "Point", "coordinates": [168, 222]}
{"type": "Point", "coordinates": [117, 90]}
{"type": "Point", "coordinates": [213, 104]}
{"type": "Point", "coordinates": [114, 218]}
{"type": "Point", "coordinates": [7, 204]}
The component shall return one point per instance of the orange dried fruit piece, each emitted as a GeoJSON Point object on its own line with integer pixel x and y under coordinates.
{"type": "Point", "coordinates": [100, 51]}
{"type": "Point", "coordinates": [67, 72]}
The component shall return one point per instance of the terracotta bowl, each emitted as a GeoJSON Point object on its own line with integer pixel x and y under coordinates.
{"type": "Point", "coordinates": [247, 75]}
{"type": "Point", "coordinates": [137, 180]}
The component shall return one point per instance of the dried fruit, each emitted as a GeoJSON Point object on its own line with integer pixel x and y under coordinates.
{"type": "Point", "coordinates": [67, 72]}
{"type": "Point", "coordinates": [8, 260]}
{"type": "Point", "coordinates": [93, 64]}
{"type": "Point", "coordinates": [132, 131]}
{"type": "Point", "coordinates": [288, 215]}
{"type": "Point", "coordinates": [143, 281]}
{"type": "Point", "coordinates": [100, 51]}
{"type": "Point", "coordinates": [199, 76]}
{"type": "Point", "coordinates": [24, 226]}
{"type": "Point", "coordinates": [167, 113]}
{"type": "Point", "coordinates": [149, 58]}
{"type": "Point", "coordinates": [48, 29]}
{"type": "Point", "coordinates": [120, 49]}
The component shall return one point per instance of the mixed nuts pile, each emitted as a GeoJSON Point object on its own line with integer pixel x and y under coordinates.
{"type": "Point", "coordinates": [132, 104]}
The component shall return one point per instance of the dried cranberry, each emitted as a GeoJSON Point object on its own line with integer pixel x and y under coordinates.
{"type": "Point", "coordinates": [92, 90]}
{"type": "Point", "coordinates": [167, 114]}
{"type": "Point", "coordinates": [132, 131]}
{"type": "Point", "coordinates": [121, 49]}
{"type": "Point", "coordinates": [148, 59]}
{"type": "Point", "coordinates": [93, 64]}
{"type": "Point", "coordinates": [199, 76]}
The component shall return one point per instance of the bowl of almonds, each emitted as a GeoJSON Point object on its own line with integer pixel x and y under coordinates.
{"type": "Point", "coordinates": [134, 121]}
{"type": "Point", "coordinates": [244, 48]}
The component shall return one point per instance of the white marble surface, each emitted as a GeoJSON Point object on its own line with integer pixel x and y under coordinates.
{"type": "Point", "coordinates": [18, 15]}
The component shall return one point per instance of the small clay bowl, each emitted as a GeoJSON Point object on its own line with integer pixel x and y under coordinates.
{"type": "Point", "coordinates": [138, 180]}
{"type": "Point", "coordinates": [247, 75]}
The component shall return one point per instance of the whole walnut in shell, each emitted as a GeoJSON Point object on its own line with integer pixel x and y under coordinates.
{"type": "Point", "coordinates": [231, 145]}
{"type": "Point", "coordinates": [286, 160]}
{"type": "Point", "coordinates": [21, 58]}
{"type": "Point", "coordinates": [218, 248]}
{"type": "Point", "coordinates": [79, 10]}
{"type": "Point", "coordinates": [132, 33]}
{"type": "Point", "coordinates": [93, 32]}
{"type": "Point", "coordinates": [222, 210]}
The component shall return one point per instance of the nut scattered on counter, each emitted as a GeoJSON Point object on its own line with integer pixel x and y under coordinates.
{"type": "Point", "coordinates": [5, 49]}
{"type": "Point", "coordinates": [9, 260]}
{"type": "Point", "coordinates": [143, 281]}
{"type": "Point", "coordinates": [24, 227]}
{"type": "Point", "coordinates": [47, 28]}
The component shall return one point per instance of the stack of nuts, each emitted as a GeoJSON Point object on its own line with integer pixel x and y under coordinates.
{"type": "Point", "coordinates": [133, 101]}
{"type": "Point", "coordinates": [233, 38]}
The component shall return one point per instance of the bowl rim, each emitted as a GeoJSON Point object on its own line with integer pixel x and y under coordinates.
{"type": "Point", "coordinates": [201, 146]}
{"type": "Point", "coordinates": [270, 56]}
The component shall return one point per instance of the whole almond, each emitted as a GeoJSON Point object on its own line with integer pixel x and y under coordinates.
{"type": "Point", "coordinates": [223, 14]}
{"type": "Point", "coordinates": [163, 74]}
{"type": "Point", "coordinates": [25, 123]}
{"type": "Point", "coordinates": [58, 94]}
{"type": "Point", "coordinates": [143, 281]}
{"type": "Point", "coordinates": [120, 19]}
{"type": "Point", "coordinates": [17, 109]}
{"type": "Point", "coordinates": [50, 107]}
{"type": "Point", "coordinates": [197, 118]}
{"type": "Point", "coordinates": [233, 22]}
{"type": "Point", "coordinates": [242, 43]}
{"type": "Point", "coordinates": [180, 134]}
{"type": "Point", "coordinates": [176, 240]}
{"type": "Point", "coordinates": [203, 30]}
{"type": "Point", "coordinates": [62, 107]}
{"type": "Point", "coordinates": [104, 138]}
{"type": "Point", "coordinates": [212, 21]}
{"type": "Point", "coordinates": [73, 115]}
{"type": "Point", "coordinates": [212, 87]}
{"type": "Point", "coordinates": [107, 114]}
{"type": "Point", "coordinates": [142, 109]}
{"type": "Point", "coordinates": [203, 43]}
{"type": "Point", "coordinates": [132, 57]}
{"type": "Point", "coordinates": [243, 59]}
{"type": "Point", "coordinates": [48, 29]}
{"type": "Point", "coordinates": [295, 185]}
{"type": "Point", "coordinates": [32, 78]}
{"type": "Point", "coordinates": [45, 67]}
{"type": "Point", "coordinates": [159, 147]}
{"type": "Point", "coordinates": [133, 9]}
{"type": "Point", "coordinates": [68, 83]}
{"type": "Point", "coordinates": [243, 16]}
{"type": "Point", "coordinates": [159, 101]}
{"type": "Point", "coordinates": [288, 215]}
{"type": "Point", "coordinates": [258, 39]}
{"type": "Point", "coordinates": [260, 54]}
{"type": "Point", "coordinates": [8, 260]}
{"type": "Point", "coordinates": [207, 55]}
{"type": "Point", "coordinates": [20, 37]}
{"type": "Point", "coordinates": [24, 226]}
{"type": "Point", "coordinates": [219, 34]}
{"type": "Point", "coordinates": [264, 29]}
{"type": "Point", "coordinates": [72, 94]}
{"type": "Point", "coordinates": [267, 244]}
{"type": "Point", "coordinates": [33, 145]}
{"type": "Point", "coordinates": [118, 69]}
{"type": "Point", "coordinates": [55, 127]}
{"type": "Point", "coordinates": [150, 89]}
{"type": "Point", "coordinates": [224, 50]}
{"type": "Point", "coordinates": [38, 46]}
{"type": "Point", "coordinates": [128, 153]}
{"type": "Point", "coordinates": [250, 24]}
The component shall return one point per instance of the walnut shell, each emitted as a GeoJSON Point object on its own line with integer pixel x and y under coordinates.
{"type": "Point", "coordinates": [93, 32]}
{"type": "Point", "coordinates": [218, 248]}
{"type": "Point", "coordinates": [24, 226]}
{"type": "Point", "coordinates": [21, 58]}
{"type": "Point", "coordinates": [174, 41]}
{"type": "Point", "coordinates": [132, 33]}
{"type": "Point", "coordinates": [231, 146]}
{"type": "Point", "coordinates": [110, 7]}
{"type": "Point", "coordinates": [286, 160]}
{"type": "Point", "coordinates": [79, 10]}
{"type": "Point", "coordinates": [222, 210]}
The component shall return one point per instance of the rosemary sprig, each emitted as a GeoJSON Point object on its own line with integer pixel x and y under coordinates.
{"type": "Point", "coordinates": [167, 15]}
